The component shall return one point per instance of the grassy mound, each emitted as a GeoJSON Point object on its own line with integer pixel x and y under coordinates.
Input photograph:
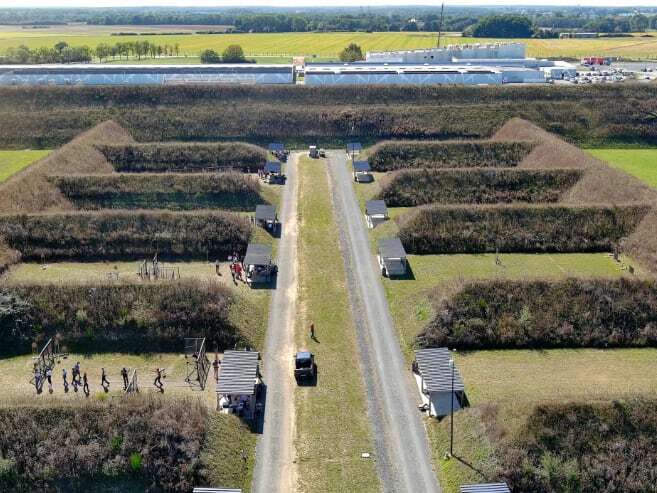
{"type": "Point", "coordinates": [388, 156]}
{"type": "Point", "coordinates": [31, 191]}
{"type": "Point", "coordinates": [586, 448]}
{"type": "Point", "coordinates": [542, 314]}
{"type": "Point", "coordinates": [38, 117]}
{"type": "Point", "coordinates": [122, 318]}
{"type": "Point", "coordinates": [411, 188]}
{"type": "Point", "coordinates": [516, 229]}
{"type": "Point", "coordinates": [126, 235]}
{"type": "Point", "coordinates": [161, 191]}
{"type": "Point", "coordinates": [163, 157]}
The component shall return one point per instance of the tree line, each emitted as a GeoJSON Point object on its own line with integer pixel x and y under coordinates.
{"type": "Point", "coordinates": [61, 52]}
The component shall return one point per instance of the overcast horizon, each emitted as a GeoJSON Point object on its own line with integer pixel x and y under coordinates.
{"type": "Point", "coordinates": [306, 4]}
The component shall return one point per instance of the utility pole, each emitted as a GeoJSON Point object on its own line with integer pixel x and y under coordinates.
{"type": "Point", "coordinates": [440, 26]}
{"type": "Point", "coordinates": [451, 420]}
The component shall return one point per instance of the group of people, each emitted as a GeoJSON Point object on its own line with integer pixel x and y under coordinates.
{"type": "Point", "coordinates": [79, 379]}
{"type": "Point", "coordinates": [236, 269]}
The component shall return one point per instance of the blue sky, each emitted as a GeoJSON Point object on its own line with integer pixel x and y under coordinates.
{"type": "Point", "coordinates": [296, 3]}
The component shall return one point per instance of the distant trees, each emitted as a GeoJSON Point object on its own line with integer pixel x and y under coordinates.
{"type": "Point", "coordinates": [351, 53]}
{"type": "Point", "coordinates": [503, 26]}
{"type": "Point", "coordinates": [210, 56]}
{"type": "Point", "coordinates": [62, 52]}
{"type": "Point", "coordinates": [233, 54]}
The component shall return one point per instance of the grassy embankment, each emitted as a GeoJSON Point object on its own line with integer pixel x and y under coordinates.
{"type": "Point", "coordinates": [278, 47]}
{"type": "Point", "coordinates": [11, 162]}
{"type": "Point", "coordinates": [641, 163]}
{"type": "Point", "coordinates": [332, 425]}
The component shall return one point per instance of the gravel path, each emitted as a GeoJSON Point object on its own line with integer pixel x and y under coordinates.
{"type": "Point", "coordinates": [403, 455]}
{"type": "Point", "coordinates": [274, 468]}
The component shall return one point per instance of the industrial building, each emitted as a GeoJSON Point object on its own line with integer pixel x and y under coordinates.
{"type": "Point", "coordinates": [450, 54]}
{"type": "Point", "coordinates": [366, 73]}
{"type": "Point", "coordinates": [103, 74]}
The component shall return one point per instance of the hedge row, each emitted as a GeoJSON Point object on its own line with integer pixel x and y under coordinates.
{"type": "Point", "coordinates": [411, 188]}
{"type": "Point", "coordinates": [529, 228]}
{"type": "Point", "coordinates": [542, 314]}
{"type": "Point", "coordinates": [125, 317]}
{"type": "Point", "coordinates": [177, 156]}
{"type": "Point", "coordinates": [586, 448]}
{"type": "Point", "coordinates": [138, 443]}
{"type": "Point", "coordinates": [389, 156]}
{"type": "Point", "coordinates": [161, 191]}
{"type": "Point", "coordinates": [44, 98]}
{"type": "Point", "coordinates": [126, 235]}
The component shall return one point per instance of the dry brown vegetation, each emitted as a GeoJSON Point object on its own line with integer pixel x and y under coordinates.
{"type": "Point", "coordinates": [31, 191]}
{"type": "Point", "coordinates": [600, 183]}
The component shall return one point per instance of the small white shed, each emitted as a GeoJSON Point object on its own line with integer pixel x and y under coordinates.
{"type": "Point", "coordinates": [433, 374]}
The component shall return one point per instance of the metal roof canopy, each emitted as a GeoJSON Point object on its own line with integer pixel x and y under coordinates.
{"type": "Point", "coordinates": [362, 166]}
{"type": "Point", "coordinates": [433, 364]}
{"type": "Point", "coordinates": [273, 167]}
{"type": "Point", "coordinates": [354, 147]}
{"type": "Point", "coordinates": [216, 490]}
{"type": "Point", "coordinates": [276, 147]}
{"type": "Point", "coordinates": [265, 212]}
{"type": "Point", "coordinates": [391, 248]}
{"type": "Point", "coordinates": [485, 488]}
{"type": "Point", "coordinates": [257, 254]}
{"type": "Point", "coordinates": [239, 370]}
{"type": "Point", "coordinates": [376, 208]}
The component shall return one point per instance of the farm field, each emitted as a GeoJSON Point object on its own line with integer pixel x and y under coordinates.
{"type": "Point", "coordinates": [503, 388]}
{"type": "Point", "coordinates": [641, 163]}
{"type": "Point", "coordinates": [11, 162]}
{"type": "Point", "coordinates": [325, 45]}
{"type": "Point", "coordinates": [328, 455]}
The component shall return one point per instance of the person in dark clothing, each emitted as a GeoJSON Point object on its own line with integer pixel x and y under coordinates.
{"type": "Point", "coordinates": [158, 379]}
{"type": "Point", "coordinates": [215, 367]}
{"type": "Point", "coordinates": [65, 379]}
{"type": "Point", "coordinates": [124, 374]}
{"type": "Point", "coordinates": [103, 380]}
{"type": "Point", "coordinates": [85, 384]}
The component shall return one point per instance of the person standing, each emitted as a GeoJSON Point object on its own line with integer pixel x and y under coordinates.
{"type": "Point", "coordinates": [124, 374]}
{"type": "Point", "coordinates": [158, 379]}
{"type": "Point", "coordinates": [85, 384]}
{"type": "Point", "coordinates": [49, 379]}
{"type": "Point", "coordinates": [103, 380]}
{"type": "Point", "coordinates": [215, 367]}
{"type": "Point", "coordinates": [65, 379]}
{"type": "Point", "coordinates": [37, 378]}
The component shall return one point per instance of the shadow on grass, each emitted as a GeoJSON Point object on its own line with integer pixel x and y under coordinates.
{"type": "Point", "coordinates": [408, 276]}
{"type": "Point", "coordinates": [470, 466]}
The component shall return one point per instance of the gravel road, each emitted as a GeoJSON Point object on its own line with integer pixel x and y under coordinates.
{"type": "Point", "coordinates": [274, 468]}
{"type": "Point", "coordinates": [403, 455]}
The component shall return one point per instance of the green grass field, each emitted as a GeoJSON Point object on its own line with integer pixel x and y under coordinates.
{"type": "Point", "coordinates": [332, 428]}
{"type": "Point", "coordinates": [11, 162]}
{"type": "Point", "coordinates": [641, 163]}
{"type": "Point", "coordinates": [325, 45]}
{"type": "Point", "coordinates": [504, 386]}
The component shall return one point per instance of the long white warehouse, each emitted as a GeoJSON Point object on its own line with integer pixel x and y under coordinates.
{"type": "Point", "coordinates": [334, 74]}
{"type": "Point", "coordinates": [101, 74]}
